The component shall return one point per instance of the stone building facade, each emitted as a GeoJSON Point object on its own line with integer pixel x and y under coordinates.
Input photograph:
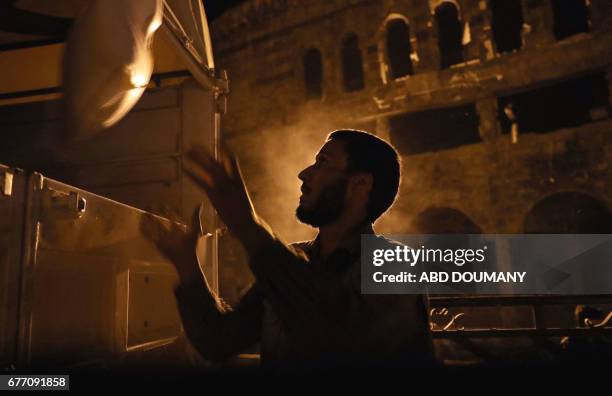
{"type": "Point", "coordinates": [499, 108]}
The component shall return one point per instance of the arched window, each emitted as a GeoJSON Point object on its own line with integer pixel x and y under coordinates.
{"type": "Point", "coordinates": [399, 49]}
{"type": "Point", "coordinates": [352, 67]}
{"type": "Point", "coordinates": [450, 34]}
{"type": "Point", "coordinates": [570, 17]}
{"type": "Point", "coordinates": [507, 24]}
{"type": "Point", "coordinates": [313, 73]}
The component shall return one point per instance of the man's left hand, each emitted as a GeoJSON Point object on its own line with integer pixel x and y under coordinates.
{"type": "Point", "coordinates": [222, 180]}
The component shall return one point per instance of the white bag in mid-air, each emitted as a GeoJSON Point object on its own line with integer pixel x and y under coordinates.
{"type": "Point", "coordinates": [108, 62]}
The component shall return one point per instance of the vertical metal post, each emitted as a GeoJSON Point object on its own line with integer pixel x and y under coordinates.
{"type": "Point", "coordinates": [217, 223]}
{"type": "Point", "coordinates": [221, 90]}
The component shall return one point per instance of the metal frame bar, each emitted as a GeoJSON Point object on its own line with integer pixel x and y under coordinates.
{"type": "Point", "coordinates": [524, 300]}
{"type": "Point", "coordinates": [483, 301]}
{"type": "Point", "coordinates": [495, 333]}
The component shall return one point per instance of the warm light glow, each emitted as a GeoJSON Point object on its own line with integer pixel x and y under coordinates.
{"type": "Point", "coordinates": [120, 105]}
{"type": "Point", "coordinates": [155, 24]}
{"type": "Point", "coordinates": [138, 80]}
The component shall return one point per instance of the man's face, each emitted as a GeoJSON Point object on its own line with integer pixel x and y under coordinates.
{"type": "Point", "coordinates": [324, 186]}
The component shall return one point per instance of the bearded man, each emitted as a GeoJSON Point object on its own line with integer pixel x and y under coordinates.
{"type": "Point", "coordinates": [305, 307]}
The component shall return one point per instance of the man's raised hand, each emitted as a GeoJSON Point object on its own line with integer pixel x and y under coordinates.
{"type": "Point", "coordinates": [222, 181]}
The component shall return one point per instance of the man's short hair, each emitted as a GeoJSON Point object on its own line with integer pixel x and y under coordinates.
{"type": "Point", "coordinates": [370, 154]}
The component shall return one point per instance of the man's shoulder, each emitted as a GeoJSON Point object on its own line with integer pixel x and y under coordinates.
{"type": "Point", "coordinates": [383, 241]}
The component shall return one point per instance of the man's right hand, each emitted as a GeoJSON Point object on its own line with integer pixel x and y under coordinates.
{"type": "Point", "coordinates": [176, 242]}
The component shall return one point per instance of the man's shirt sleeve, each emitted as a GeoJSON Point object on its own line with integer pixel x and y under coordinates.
{"type": "Point", "coordinates": [215, 329]}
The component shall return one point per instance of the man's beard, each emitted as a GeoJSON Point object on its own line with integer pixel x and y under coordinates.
{"type": "Point", "coordinates": [328, 206]}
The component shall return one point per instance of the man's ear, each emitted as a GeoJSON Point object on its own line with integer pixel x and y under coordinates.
{"type": "Point", "coordinates": [362, 182]}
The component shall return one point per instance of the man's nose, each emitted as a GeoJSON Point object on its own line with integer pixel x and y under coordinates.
{"type": "Point", "coordinates": [303, 175]}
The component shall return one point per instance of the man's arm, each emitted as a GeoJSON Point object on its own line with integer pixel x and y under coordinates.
{"type": "Point", "coordinates": [215, 329]}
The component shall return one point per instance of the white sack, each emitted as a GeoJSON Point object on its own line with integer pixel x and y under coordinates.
{"type": "Point", "coordinates": [108, 62]}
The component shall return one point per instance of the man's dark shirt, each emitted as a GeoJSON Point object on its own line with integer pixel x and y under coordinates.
{"type": "Point", "coordinates": [307, 310]}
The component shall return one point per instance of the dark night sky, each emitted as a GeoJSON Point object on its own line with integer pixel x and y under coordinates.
{"type": "Point", "coordinates": [214, 8]}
